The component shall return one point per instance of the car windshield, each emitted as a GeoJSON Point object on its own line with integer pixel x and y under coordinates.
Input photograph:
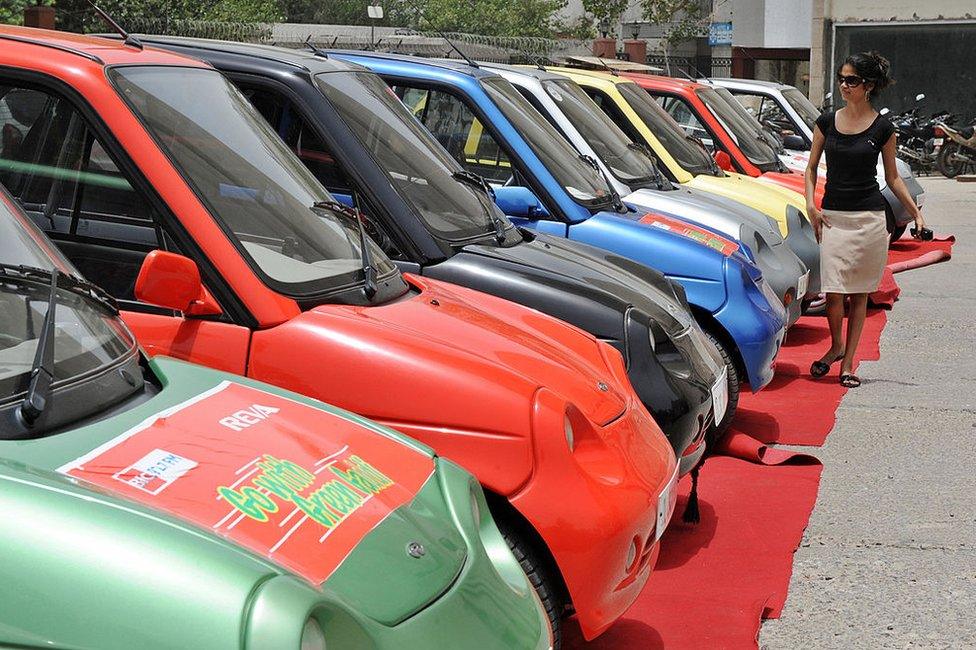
{"type": "Point", "coordinates": [764, 132]}
{"type": "Point", "coordinates": [746, 133]}
{"type": "Point", "coordinates": [803, 106]}
{"type": "Point", "coordinates": [581, 180]}
{"type": "Point", "coordinates": [254, 186]}
{"type": "Point", "coordinates": [682, 148]}
{"type": "Point", "coordinates": [414, 161]}
{"type": "Point", "coordinates": [629, 164]}
{"type": "Point", "coordinates": [87, 337]}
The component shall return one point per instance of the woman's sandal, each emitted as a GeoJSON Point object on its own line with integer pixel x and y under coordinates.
{"type": "Point", "coordinates": [850, 380]}
{"type": "Point", "coordinates": [820, 368]}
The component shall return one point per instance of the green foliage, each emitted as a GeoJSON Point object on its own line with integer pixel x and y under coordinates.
{"type": "Point", "coordinates": [683, 19]}
{"type": "Point", "coordinates": [605, 11]}
{"type": "Point", "coordinates": [488, 17]}
{"type": "Point", "coordinates": [12, 11]}
{"type": "Point", "coordinates": [77, 15]}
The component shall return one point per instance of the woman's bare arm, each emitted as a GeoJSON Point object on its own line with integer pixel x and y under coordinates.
{"type": "Point", "coordinates": [810, 185]}
{"type": "Point", "coordinates": [895, 182]}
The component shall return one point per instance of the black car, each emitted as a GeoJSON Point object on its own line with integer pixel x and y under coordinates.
{"type": "Point", "coordinates": [436, 220]}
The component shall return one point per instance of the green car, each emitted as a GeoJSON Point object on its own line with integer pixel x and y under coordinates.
{"type": "Point", "coordinates": [162, 505]}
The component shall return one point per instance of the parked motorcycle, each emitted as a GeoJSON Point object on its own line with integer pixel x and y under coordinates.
{"type": "Point", "coordinates": [958, 155]}
{"type": "Point", "coordinates": [916, 137]}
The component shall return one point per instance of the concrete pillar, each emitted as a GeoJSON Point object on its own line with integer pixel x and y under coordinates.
{"type": "Point", "coordinates": [41, 17]}
{"type": "Point", "coordinates": [820, 33]}
{"type": "Point", "coordinates": [605, 48]}
{"type": "Point", "coordinates": [636, 50]}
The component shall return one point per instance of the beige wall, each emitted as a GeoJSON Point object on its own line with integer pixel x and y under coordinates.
{"type": "Point", "coordinates": [856, 10]}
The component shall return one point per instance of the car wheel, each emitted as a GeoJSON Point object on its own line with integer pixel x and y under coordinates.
{"type": "Point", "coordinates": [539, 577]}
{"type": "Point", "coordinates": [719, 429]}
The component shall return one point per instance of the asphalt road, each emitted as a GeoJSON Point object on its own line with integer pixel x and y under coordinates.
{"type": "Point", "coordinates": [889, 557]}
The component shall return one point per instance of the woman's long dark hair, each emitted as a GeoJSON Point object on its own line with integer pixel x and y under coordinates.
{"type": "Point", "coordinates": [873, 68]}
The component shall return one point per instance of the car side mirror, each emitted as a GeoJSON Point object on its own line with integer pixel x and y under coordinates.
{"type": "Point", "coordinates": [795, 142]}
{"type": "Point", "coordinates": [723, 160]}
{"type": "Point", "coordinates": [519, 202]}
{"type": "Point", "coordinates": [173, 281]}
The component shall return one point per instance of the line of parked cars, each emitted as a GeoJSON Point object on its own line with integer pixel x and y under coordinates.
{"type": "Point", "coordinates": [307, 349]}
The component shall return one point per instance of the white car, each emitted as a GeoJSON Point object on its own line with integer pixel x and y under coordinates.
{"type": "Point", "coordinates": [788, 111]}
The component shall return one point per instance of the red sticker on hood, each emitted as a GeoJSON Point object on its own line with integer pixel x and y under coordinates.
{"type": "Point", "coordinates": [702, 236]}
{"type": "Point", "coordinates": [293, 483]}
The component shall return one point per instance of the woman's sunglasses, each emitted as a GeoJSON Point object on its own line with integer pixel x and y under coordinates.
{"type": "Point", "coordinates": [851, 81]}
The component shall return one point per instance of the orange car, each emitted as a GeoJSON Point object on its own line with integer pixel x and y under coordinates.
{"type": "Point", "coordinates": [163, 185]}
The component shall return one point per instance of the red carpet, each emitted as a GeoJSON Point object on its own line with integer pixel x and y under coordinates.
{"type": "Point", "coordinates": [715, 581]}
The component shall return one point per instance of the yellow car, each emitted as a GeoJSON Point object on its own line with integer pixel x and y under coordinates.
{"type": "Point", "coordinates": [686, 161]}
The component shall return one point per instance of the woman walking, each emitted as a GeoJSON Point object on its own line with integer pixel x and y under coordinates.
{"type": "Point", "coordinates": [852, 228]}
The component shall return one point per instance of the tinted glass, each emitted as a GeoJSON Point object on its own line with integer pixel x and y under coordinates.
{"type": "Point", "coordinates": [629, 164]}
{"type": "Point", "coordinates": [86, 338]}
{"type": "Point", "coordinates": [252, 184]}
{"type": "Point", "coordinates": [416, 164]}
{"type": "Point", "coordinates": [745, 132]}
{"type": "Point", "coordinates": [808, 112]}
{"type": "Point", "coordinates": [682, 148]}
{"type": "Point", "coordinates": [584, 183]}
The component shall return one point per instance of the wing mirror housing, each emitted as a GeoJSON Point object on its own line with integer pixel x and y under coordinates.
{"type": "Point", "coordinates": [519, 202]}
{"type": "Point", "coordinates": [173, 281]}
{"type": "Point", "coordinates": [723, 160]}
{"type": "Point", "coordinates": [795, 142]}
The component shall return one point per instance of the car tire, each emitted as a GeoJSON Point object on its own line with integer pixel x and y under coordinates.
{"type": "Point", "coordinates": [538, 574]}
{"type": "Point", "coordinates": [719, 429]}
{"type": "Point", "coordinates": [944, 164]}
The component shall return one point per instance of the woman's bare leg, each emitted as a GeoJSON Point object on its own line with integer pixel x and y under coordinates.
{"type": "Point", "coordinates": [855, 325]}
{"type": "Point", "coordinates": [835, 318]}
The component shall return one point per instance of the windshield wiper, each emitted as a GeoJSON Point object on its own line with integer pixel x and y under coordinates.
{"type": "Point", "coordinates": [662, 182]}
{"type": "Point", "coordinates": [479, 182]}
{"type": "Point", "coordinates": [42, 370]}
{"type": "Point", "coordinates": [72, 283]}
{"type": "Point", "coordinates": [370, 286]}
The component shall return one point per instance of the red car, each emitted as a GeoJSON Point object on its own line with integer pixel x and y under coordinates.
{"type": "Point", "coordinates": [737, 144]}
{"type": "Point", "coordinates": [164, 186]}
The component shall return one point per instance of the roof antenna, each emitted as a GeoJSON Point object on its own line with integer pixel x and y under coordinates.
{"type": "Point", "coordinates": [127, 38]}
{"type": "Point", "coordinates": [460, 53]}
{"type": "Point", "coordinates": [316, 51]}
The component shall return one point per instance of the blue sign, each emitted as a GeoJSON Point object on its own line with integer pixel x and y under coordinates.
{"type": "Point", "coordinates": [720, 34]}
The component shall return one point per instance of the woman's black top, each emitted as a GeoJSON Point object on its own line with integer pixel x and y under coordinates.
{"type": "Point", "coordinates": [852, 161]}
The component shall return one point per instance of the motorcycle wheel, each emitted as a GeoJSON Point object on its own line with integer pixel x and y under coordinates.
{"type": "Point", "coordinates": [947, 166]}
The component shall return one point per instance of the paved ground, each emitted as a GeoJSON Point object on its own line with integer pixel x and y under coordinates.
{"type": "Point", "coordinates": [889, 558]}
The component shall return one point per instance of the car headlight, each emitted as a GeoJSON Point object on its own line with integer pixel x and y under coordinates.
{"type": "Point", "coordinates": [313, 638]}
{"type": "Point", "coordinates": [568, 430]}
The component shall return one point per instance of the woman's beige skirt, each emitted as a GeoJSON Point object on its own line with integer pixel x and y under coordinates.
{"type": "Point", "coordinates": [853, 251]}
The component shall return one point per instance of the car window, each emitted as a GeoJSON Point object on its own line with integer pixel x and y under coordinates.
{"type": "Point", "coordinates": [679, 110]}
{"type": "Point", "coordinates": [71, 186]}
{"type": "Point", "coordinates": [459, 131]}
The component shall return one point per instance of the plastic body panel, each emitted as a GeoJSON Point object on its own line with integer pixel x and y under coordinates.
{"type": "Point", "coordinates": [452, 366]}
{"type": "Point", "coordinates": [578, 284]}
{"type": "Point", "coordinates": [696, 267]}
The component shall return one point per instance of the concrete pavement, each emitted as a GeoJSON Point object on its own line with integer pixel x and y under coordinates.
{"type": "Point", "coordinates": [889, 557]}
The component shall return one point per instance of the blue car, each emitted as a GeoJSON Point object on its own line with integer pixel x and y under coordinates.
{"type": "Point", "coordinates": [541, 182]}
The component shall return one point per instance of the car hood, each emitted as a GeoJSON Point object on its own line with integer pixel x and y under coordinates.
{"type": "Point", "coordinates": [708, 210]}
{"type": "Point", "coordinates": [236, 481]}
{"type": "Point", "coordinates": [765, 197]}
{"type": "Point", "coordinates": [482, 336]}
{"type": "Point", "coordinates": [590, 271]}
